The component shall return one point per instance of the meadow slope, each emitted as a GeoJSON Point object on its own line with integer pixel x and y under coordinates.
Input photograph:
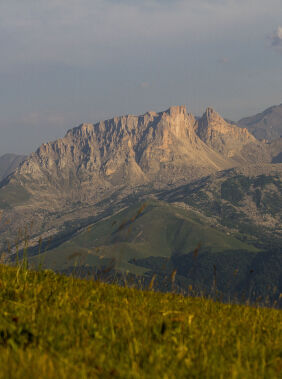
{"type": "Point", "coordinates": [53, 326]}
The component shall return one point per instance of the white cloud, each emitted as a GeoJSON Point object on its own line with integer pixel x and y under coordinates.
{"type": "Point", "coordinates": [276, 38]}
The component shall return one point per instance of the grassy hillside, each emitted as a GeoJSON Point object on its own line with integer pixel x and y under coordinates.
{"type": "Point", "coordinates": [150, 229]}
{"type": "Point", "coordinates": [53, 326]}
{"type": "Point", "coordinates": [155, 239]}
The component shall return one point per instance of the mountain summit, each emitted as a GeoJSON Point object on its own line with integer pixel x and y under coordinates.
{"type": "Point", "coordinates": [159, 148]}
{"type": "Point", "coordinates": [265, 125]}
{"type": "Point", "coordinates": [230, 140]}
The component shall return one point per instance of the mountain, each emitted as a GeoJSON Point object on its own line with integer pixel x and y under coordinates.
{"type": "Point", "coordinates": [265, 125]}
{"type": "Point", "coordinates": [145, 229]}
{"type": "Point", "coordinates": [275, 148]}
{"type": "Point", "coordinates": [8, 164]}
{"type": "Point", "coordinates": [246, 200]}
{"type": "Point", "coordinates": [79, 175]}
{"type": "Point", "coordinates": [229, 140]}
{"type": "Point", "coordinates": [216, 188]}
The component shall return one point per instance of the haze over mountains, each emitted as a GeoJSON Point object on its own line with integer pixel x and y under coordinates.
{"type": "Point", "coordinates": [219, 174]}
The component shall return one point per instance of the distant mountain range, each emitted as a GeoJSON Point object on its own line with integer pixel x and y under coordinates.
{"type": "Point", "coordinates": [8, 164]}
{"type": "Point", "coordinates": [265, 125]}
{"type": "Point", "coordinates": [208, 185]}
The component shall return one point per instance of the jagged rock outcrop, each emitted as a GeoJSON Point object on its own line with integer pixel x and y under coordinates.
{"type": "Point", "coordinates": [230, 140]}
{"type": "Point", "coordinates": [159, 148]}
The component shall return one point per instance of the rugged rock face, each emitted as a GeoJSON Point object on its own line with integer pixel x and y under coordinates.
{"type": "Point", "coordinates": [265, 125]}
{"type": "Point", "coordinates": [78, 176]}
{"type": "Point", "coordinates": [230, 140]}
{"type": "Point", "coordinates": [160, 148]}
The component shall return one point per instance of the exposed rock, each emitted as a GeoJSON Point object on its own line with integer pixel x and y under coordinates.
{"type": "Point", "coordinates": [230, 140]}
{"type": "Point", "coordinates": [79, 175]}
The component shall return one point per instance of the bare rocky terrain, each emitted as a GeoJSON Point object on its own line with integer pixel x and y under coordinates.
{"type": "Point", "coordinates": [96, 168]}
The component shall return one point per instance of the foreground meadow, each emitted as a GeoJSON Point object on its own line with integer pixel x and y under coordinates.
{"type": "Point", "coordinates": [53, 326]}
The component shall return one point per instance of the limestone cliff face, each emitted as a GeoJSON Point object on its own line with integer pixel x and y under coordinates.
{"type": "Point", "coordinates": [230, 140]}
{"type": "Point", "coordinates": [77, 176]}
{"type": "Point", "coordinates": [159, 148]}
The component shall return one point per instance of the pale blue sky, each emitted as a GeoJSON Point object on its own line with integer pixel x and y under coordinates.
{"type": "Point", "coordinates": [64, 62]}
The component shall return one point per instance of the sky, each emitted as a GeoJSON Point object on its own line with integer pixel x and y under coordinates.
{"type": "Point", "coordinates": [64, 62]}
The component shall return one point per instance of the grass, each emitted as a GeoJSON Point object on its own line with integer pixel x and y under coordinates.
{"type": "Point", "coordinates": [53, 326]}
{"type": "Point", "coordinates": [160, 229]}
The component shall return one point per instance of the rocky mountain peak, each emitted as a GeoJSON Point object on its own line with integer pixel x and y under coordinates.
{"type": "Point", "coordinates": [125, 155]}
{"type": "Point", "coordinates": [177, 110]}
{"type": "Point", "coordinates": [265, 125]}
{"type": "Point", "coordinates": [160, 148]}
{"type": "Point", "coordinates": [212, 122]}
{"type": "Point", "coordinates": [228, 139]}
{"type": "Point", "coordinates": [211, 117]}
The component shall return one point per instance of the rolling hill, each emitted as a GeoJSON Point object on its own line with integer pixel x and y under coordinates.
{"type": "Point", "coordinates": [54, 326]}
{"type": "Point", "coordinates": [155, 239]}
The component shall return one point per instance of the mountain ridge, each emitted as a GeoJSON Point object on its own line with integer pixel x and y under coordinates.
{"type": "Point", "coordinates": [77, 176]}
{"type": "Point", "coordinates": [8, 164]}
{"type": "Point", "coordinates": [265, 125]}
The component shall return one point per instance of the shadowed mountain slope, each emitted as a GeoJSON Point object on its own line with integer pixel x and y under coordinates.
{"type": "Point", "coordinates": [265, 125]}
{"type": "Point", "coordinates": [155, 239]}
{"type": "Point", "coordinates": [247, 200]}
{"type": "Point", "coordinates": [9, 163]}
{"type": "Point", "coordinates": [152, 228]}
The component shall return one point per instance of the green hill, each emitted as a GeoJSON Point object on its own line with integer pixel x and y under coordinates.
{"type": "Point", "coordinates": [155, 239]}
{"type": "Point", "coordinates": [53, 326]}
{"type": "Point", "coordinates": [149, 229]}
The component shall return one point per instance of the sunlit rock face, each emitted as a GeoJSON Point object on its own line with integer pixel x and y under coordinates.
{"type": "Point", "coordinates": [230, 140]}
{"type": "Point", "coordinates": [160, 148]}
{"type": "Point", "coordinates": [118, 157]}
